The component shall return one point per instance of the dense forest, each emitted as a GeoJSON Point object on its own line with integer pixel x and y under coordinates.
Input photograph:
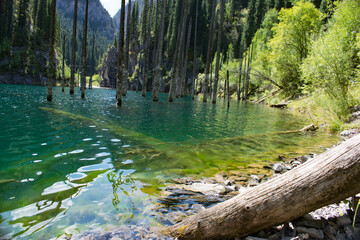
{"type": "Point", "coordinates": [270, 50]}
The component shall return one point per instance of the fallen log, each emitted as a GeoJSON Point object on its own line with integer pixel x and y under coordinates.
{"type": "Point", "coordinates": [331, 177]}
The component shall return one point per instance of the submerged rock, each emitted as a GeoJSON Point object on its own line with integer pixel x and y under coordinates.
{"type": "Point", "coordinates": [278, 168]}
{"type": "Point", "coordinates": [205, 188]}
{"type": "Point", "coordinates": [349, 133]}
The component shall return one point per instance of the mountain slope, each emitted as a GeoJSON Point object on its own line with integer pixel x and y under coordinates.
{"type": "Point", "coordinates": [99, 18]}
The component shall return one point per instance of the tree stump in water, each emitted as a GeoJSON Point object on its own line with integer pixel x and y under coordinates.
{"type": "Point", "coordinates": [331, 177]}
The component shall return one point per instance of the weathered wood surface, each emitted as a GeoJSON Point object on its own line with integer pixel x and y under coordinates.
{"type": "Point", "coordinates": [328, 178]}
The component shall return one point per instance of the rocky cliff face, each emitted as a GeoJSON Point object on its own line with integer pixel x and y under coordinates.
{"type": "Point", "coordinates": [108, 72]}
{"type": "Point", "coordinates": [116, 18]}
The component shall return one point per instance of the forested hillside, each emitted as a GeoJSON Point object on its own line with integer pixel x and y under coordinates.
{"type": "Point", "coordinates": [100, 24]}
{"type": "Point", "coordinates": [25, 36]}
{"type": "Point", "coordinates": [301, 53]}
{"type": "Point", "coordinates": [271, 50]}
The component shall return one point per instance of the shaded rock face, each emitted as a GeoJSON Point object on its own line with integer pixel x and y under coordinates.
{"type": "Point", "coordinates": [29, 69]}
{"type": "Point", "coordinates": [14, 78]}
{"type": "Point", "coordinates": [108, 73]}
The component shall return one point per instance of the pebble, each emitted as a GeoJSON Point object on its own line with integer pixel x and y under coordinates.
{"type": "Point", "coordinates": [349, 133]}
{"type": "Point", "coordinates": [313, 233]}
{"type": "Point", "coordinates": [343, 220]}
{"type": "Point", "coordinates": [278, 168]}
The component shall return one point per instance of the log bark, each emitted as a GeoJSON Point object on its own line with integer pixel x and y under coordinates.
{"type": "Point", "coordinates": [331, 177]}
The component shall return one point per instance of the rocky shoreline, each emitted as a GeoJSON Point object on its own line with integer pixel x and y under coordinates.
{"type": "Point", "coordinates": [188, 196]}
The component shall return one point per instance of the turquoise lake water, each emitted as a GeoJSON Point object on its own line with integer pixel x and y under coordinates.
{"type": "Point", "coordinates": [74, 164]}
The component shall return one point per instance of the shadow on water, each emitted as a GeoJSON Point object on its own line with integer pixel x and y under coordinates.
{"type": "Point", "coordinates": [71, 165]}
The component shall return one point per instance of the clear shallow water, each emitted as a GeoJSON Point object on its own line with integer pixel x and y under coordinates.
{"type": "Point", "coordinates": [75, 164]}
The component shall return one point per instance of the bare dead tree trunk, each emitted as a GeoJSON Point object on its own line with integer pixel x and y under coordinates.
{"type": "Point", "coordinates": [92, 60]}
{"type": "Point", "coordinates": [240, 73]}
{"type": "Point", "coordinates": [209, 51]}
{"type": "Point", "coordinates": [225, 89]}
{"type": "Point", "coordinates": [63, 66]}
{"type": "Point", "coordinates": [218, 52]}
{"type": "Point", "coordinates": [184, 69]}
{"type": "Point", "coordinates": [179, 66]}
{"type": "Point", "coordinates": [176, 57]}
{"type": "Point", "coordinates": [52, 70]}
{"type": "Point", "coordinates": [331, 177]}
{"type": "Point", "coordinates": [228, 89]}
{"type": "Point", "coordinates": [244, 75]}
{"type": "Point", "coordinates": [121, 56]}
{"type": "Point", "coordinates": [211, 78]}
{"type": "Point", "coordinates": [248, 72]}
{"type": "Point", "coordinates": [193, 86]}
{"type": "Point", "coordinates": [73, 50]}
{"type": "Point", "coordinates": [147, 51]}
{"type": "Point", "coordinates": [127, 56]}
{"type": "Point", "coordinates": [156, 33]}
{"type": "Point", "coordinates": [83, 72]}
{"type": "Point", "coordinates": [159, 54]}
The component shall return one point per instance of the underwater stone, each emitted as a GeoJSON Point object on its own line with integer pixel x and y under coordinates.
{"type": "Point", "coordinates": [278, 168]}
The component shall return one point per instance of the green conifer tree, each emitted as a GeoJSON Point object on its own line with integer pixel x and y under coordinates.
{"type": "Point", "coordinates": [249, 28]}
{"type": "Point", "coordinates": [41, 21]}
{"type": "Point", "coordinates": [2, 20]}
{"type": "Point", "coordinates": [9, 19]}
{"type": "Point", "coordinates": [22, 26]}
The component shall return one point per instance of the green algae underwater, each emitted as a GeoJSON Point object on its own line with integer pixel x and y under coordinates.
{"type": "Point", "coordinates": [73, 164]}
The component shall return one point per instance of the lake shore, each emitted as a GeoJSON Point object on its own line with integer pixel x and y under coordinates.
{"type": "Point", "coordinates": [188, 196]}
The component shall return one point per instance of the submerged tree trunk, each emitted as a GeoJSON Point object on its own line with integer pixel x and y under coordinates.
{"type": "Point", "coordinates": [240, 73]}
{"type": "Point", "coordinates": [52, 70]}
{"type": "Point", "coordinates": [209, 51]}
{"type": "Point", "coordinates": [218, 51]}
{"type": "Point", "coordinates": [244, 76]}
{"type": "Point", "coordinates": [120, 74]}
{"type": "Point", "coordinates": [147, 51]}
{"type": "Point", "coordinates": [331, 177]}
{"type": "Point", "coordinates": [92, 60]}
{"type": "Point", "coordinates": [184, 82]}
{"type": "Point", "coordinates": [83, 60]}
{"type": "Point", "coordinates": [176, 57]}
{"type": "Point", "coordinates": [228, 88]}
{"type": "Point", "coordinates": [181, 44]}
{"type": "Point", "coordinates": [248, 72]}
{"type": "Point", "coordinates": [73, 50]}
{"type": "Point", "coordinates": [63, 66]}
{"type": "Point", "coordinates": [159, 54]}
{"type": "Point", "coordinates": [127, 56]}
{"type": "Point", "coordinates": [211, 78]}
{"type": "Point", "coordinates": [193, 87]}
